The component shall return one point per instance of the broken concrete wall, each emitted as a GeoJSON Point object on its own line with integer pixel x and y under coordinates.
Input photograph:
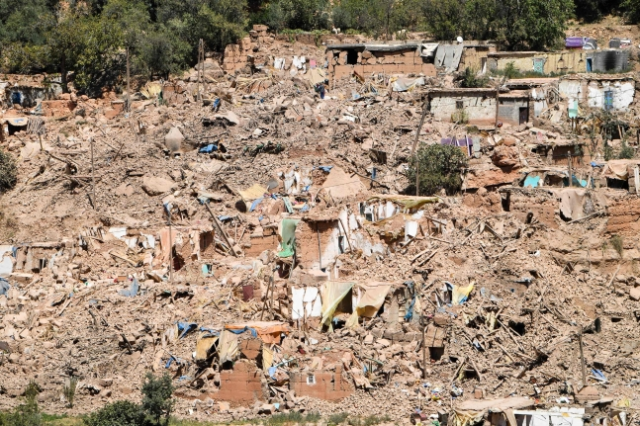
{"type": "Point", "coordinates": [541, 62]}
{"type": "Point", "coordinates": [510, 110]}
{"type": "Point", "coordinates": [480, 107]}
{"type": "Point", "coordinates": [608, 60]}
{"type": "Point", "coordinates": [621, 94]}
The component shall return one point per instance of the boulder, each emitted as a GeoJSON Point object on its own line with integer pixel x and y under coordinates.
{"type": "Point", "coordinates": [157, 186]}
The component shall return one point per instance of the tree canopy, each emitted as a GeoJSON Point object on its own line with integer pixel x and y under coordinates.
{"type": "Point", "coordinates": [92, 37]}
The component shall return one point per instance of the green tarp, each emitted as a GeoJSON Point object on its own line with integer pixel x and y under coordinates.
{"type": "Point", "coordinates": [288, 237]}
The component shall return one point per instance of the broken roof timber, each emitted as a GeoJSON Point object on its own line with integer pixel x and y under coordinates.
{"type": "Point", "coordinates": [463, 92]}
{"type": "Point", "coordinates": [599, 77]}
{"type": "Point", "coordinates": [375, 47]}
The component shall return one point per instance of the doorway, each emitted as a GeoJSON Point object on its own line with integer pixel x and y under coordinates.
{"type": "Point", "coordinates": [524, 115]}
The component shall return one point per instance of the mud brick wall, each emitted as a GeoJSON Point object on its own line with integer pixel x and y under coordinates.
{"type": "Point", "coordinates": [624, 216]}
{"type": "Point", "coordinates": [329, 386]}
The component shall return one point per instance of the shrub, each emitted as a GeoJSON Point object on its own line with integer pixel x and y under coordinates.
{"type": "Point", "coordinates": [626, 152]}
{"type": "Point", "coordinates": [617, 244]}
{"type": "Point", "coordinates": [69, 390]}
{"type": "Point", "coordinates": [121, 413]}
{"type": "Point", "coordinates": [470, 79]}
{"type": "Point", "coordinates": [438, 167]}
{"type": "Point", "coordinates": [157, 402]}
{"type": "Point", "coordinates": [8, 171]}
{"type": "Point", "coordinates": [27, 414]}
{"type": "Point", "coordinates": [338, 418]}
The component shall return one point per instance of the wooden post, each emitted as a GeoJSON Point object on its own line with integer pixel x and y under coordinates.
{"type": "Point", "coordinates": [584, 371]}
{"type": "Point", "coordinates": [93, 177]}
{"type": "Point", "coordinates": [414, 151]}
{"type": "Point", "coordinates": [569, 165]}
{"type": "Point", "coordinates": [424, 353]}
{"type": "Point", "coordinates": [224, 234]}
{"type": "Point", "coordinates": [128, 105]}
{"type": "Point", "coordinates": [170, 249]}
{"type": "Point", "coordinates": [319, 247]}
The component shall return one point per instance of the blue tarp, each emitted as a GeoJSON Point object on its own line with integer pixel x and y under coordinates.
{"type": "Point", "coordinates": [171, 359]}
{"type": "Point", "coordinates": [4, 286]}
{"type": "Point", "coordinates": [132, 291]}
{"type": "Point", "coordinates": [255, 204]}
{"type": "Point", "coordinates": [532, 181]}
{"type": "Point", "coordinates": [208, 149]}
{"type": "Point", "coordinates": [210, 331]}
{"type": "Point", "coordinates": [185, 327]}
{"type": "Point", "coordinates": [325, 169]}
{"type": "Point", "coordinates": [253, 331]}
{"type": "Point", "coordinates": [409, 315]}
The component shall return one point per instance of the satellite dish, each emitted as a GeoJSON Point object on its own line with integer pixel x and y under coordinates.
{"type": "Point", "coordinates": [460, 40]}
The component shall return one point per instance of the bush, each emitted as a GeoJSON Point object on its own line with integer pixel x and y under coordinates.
{"type": "Point", "coordinates": [470, 79]}
{"type": "Point", "coordinates": [69, 390]}
{"type": "Point", "coordinates": [157, 402]}
{"type": "Point", "coordinates": [438, 167]}
{"type": "Point", "coordinates": [626, 152]}
{"type": "Point", "coordinates": [121, 413]}
{"type": "Point", "coordinates": [27, 414]}
{"type": "Point", "coordinates": [8, 171]}
{"type": "Point", "coordinates": [617, 243]}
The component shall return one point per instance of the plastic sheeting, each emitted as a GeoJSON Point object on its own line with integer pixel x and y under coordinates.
{"type": "Point", "coordinates": [532, 181]}
{"type": "Point", "coordinates": [369, 303]}
{"type": "Point", "coordinates": [132, 291]}
{"type": "Point", "coordinates": [228, 348]}
{"type": "Point", "coordinates": [205, 342]}
{"type": "Point", "coordinates": [572, 203]}
{"type": "Point", "coordinates": [253, 193]}
{"type": "Point", "coordinates": [268, 331]}
{"type": "Point", "coordinates": [332, 295]}
{"type": "Point", "coordinates": [306, 303]}
{"type": "Point", "coordinates": [6, 264]}
{"type": "Point", "coordinates": [402, 84]}
{"type": "Point", "coordinates": [459, 295]}
{"type": "Point", "coordinates": [288, 237]}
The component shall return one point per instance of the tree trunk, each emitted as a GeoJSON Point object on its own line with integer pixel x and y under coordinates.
{"type": "Point", "coordinates": [63, 75]}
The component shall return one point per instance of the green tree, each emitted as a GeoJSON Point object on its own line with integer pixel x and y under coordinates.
{"type": "Point", "coordinates": [380, 18]}
{"type": "Point", "coordinates": [295, 14]}
{"type": "Point", "coordinates": [438, 167]}
{"type": "Point", "coordinates": [100, 62]}
{"type": "Point", "coordinates": [8, 171]}
{"type": "Point", "coordinates": [157, 400]}
{"type": "Point", "coordinates": [631, 10]}
{"type": "Point", "coordinates": [120, 413]}
{"type": "Point", "coordinates": [532, 24]}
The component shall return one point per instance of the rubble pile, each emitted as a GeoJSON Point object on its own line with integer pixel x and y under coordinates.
{"type": "Point", "coordinates": [257, 242]}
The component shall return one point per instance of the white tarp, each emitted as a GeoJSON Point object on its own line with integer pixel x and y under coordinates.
{"type": "Point", "coordinates": [6, 264]}
{"type": "Point", "coordinates": [306, 303]}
